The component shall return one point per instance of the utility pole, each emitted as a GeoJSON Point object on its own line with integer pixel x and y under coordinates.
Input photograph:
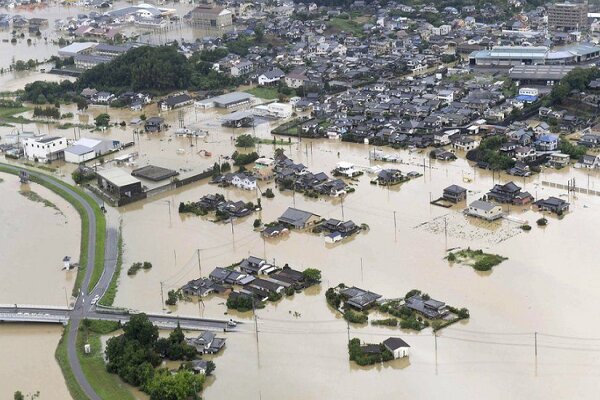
{"type": "Point", "coordinates": [395, 228]}
{"type": "Point", "coordinates": [446, 231]}
{"type": "Point", "coordinates": [232, 232]}
{"type": "Point", "coordinates": [66, 297]}
{"type": "Point", "coordinates": [361, 270]}
{"type": "Point", "coordinates": [342, 203]}
{"type": "Point", "coordinates": [162, 296]}
{"type": "Point", "coordinates": [169, 203]}
{"type": "Point", "coordinates": [199, 264]}
{"type": "Point", "coordinates": [535, 339]}
{"type": "Point", "coordinates": [436, 352]}
{"type": "Point", "coordinates": [348, 329]}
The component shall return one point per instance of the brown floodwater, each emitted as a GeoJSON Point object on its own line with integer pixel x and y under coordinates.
{"type": "Point", "coordinates": [27, 361]}
{"type": "Point", "coordinates": [549, 284]}
{"type": "Point", "coordinates": [33, 241]}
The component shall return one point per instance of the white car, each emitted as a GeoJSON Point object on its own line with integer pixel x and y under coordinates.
{"type": "Point", "coordinates": [95, 299]}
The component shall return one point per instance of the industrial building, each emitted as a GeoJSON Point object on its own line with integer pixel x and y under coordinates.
{"type": "Point", "coordinates": [87, 148]}
{"type": "Point", "coordinates": [119, 183]}
{"type": "Point", "coordinates": [534, 55]}
{"type": "Point", "coordinates": [45, 148]}
{"type": "Point", "coordinates": [546, 75]}
{"type": "Point", "coordinates": [229, 100]}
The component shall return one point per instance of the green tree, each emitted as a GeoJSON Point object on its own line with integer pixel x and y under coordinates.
{"type": "Point", "coordinates": [102, 120]}
{"type": "Point", "coordinates": [18, 395]}
{"type": "Point", "coordinates": [180, 386]}
{"type": "Point", "coordinates": [312, 275]}
{"type": "Point", "coordinates": [245, 141]}
{"type": "Point", "coordinates": [140, 329]}
{"type": "Point", "coordinates": [82, 104]}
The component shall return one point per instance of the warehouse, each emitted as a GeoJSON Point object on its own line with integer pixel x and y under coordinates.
{"type": "Point", "coordinates": [546, 75]}
{"type": "Point", "coordinates": [229, 100]}
{"type": "Point", "coordinates": [531, 55]}
{"type": "Point", "coordinates": [119, 183]}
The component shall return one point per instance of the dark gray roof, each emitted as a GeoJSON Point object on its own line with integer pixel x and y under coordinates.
{"type": "Point", "coordinates": [394, 343]}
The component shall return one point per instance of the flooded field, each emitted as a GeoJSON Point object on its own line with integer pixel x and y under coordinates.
{"type": "Point", "coordinates": [27, 361]}
{"type": "Point", "coordinates": [34, 238]}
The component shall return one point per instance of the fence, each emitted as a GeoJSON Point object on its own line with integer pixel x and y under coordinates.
{"type": "Point", "coordinates": [571, 188]}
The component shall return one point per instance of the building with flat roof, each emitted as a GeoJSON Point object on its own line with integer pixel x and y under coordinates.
{"type": "Point", "coordinates": [228, 100]}
{"type": "Point", "coordinates": [534, 55]}
{"type": "Point", "coordinates": [567, 17]}
{"type": "Point", "coordinates": [119, 183]}
{"type": "Point", "coordinates": [207, 16]}
{"type": "Point", "coordinates": [77, 48]}
{"type": "Point", "coordinates": [45, 148]}
{"type": "Point", "coordinates": [539, 74]}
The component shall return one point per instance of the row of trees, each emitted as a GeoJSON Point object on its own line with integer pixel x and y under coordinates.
{"type": "Point", "coordinates": [50, 112]}
{"type": "Point", "coordinates": [136, 354]}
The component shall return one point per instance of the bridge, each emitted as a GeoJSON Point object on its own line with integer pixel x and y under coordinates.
{"type": "Point", "coordinates": [62, 315]}
{"type": "Point", "coordinates": [83, 307]}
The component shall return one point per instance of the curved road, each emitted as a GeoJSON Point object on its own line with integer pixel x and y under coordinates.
{"type": "Point", "coordinates": [79, 309]}
{"type": "Point", "coordinates": [83, 308]}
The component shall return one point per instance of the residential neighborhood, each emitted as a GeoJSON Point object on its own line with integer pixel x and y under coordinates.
{"type": "Point", "coordinates": [218, 199]}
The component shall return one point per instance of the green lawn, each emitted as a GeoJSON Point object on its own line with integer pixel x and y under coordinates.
{"type": "Point", "coordinates": [264, 92]}
{"type": "Point", "coordinates": [107, 386]}
{"type": "Point", "coordinates": [346, 25]}
{"type": "Point", "coordinates": [63, 361]}
{"type": "Point", "coordinates": [7, 115]}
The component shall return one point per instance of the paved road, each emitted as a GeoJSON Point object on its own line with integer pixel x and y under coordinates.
{"type": "Point", "coordinates": [83, 307]}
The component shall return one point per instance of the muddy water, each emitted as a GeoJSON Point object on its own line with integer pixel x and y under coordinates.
{"type": "Point", "coordinates": [27, 361]}
{"type": "Point", "coordinates": [302, 343]}
{"type": "Point", "coordinates": [547, 285]}
{"type": "Point", "coordinates": [33, 241]}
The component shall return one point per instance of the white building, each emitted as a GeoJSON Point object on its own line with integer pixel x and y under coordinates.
{"type": "Point", "coordinates": [45, 148]}
{"type": "Point", "coordinates": [270, 77]}
{"type": "Point", "coordinates": [484, 210]}
{"type": "Point", "coordinates": [528, 92]}
{"type": "Point", "coordinates": [398, 347]}
{"type": "Point", "coordinates": [87, 148]}
{"type": "Point", "coordinates": [274, 110]}
{"type": "Point", "coordinates": [244, 181]}
{"type": "Point", "coordinates": [346, 169]}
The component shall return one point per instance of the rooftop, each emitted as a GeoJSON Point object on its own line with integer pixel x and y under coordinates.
{"type": "Point", "coordinates": [118, 177]}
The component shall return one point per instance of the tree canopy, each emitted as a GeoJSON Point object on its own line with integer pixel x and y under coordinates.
{"type": "Point", "coordinates": [142, 68]}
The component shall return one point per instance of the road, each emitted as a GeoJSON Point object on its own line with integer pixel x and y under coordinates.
{"type": "Point", "coordinates": [83, 308]}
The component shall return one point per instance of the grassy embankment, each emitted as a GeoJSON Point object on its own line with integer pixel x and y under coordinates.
{"type": "Point", "coordinates": [106, 385]}
{"type": "Point", "coordinates": [61, 351]}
